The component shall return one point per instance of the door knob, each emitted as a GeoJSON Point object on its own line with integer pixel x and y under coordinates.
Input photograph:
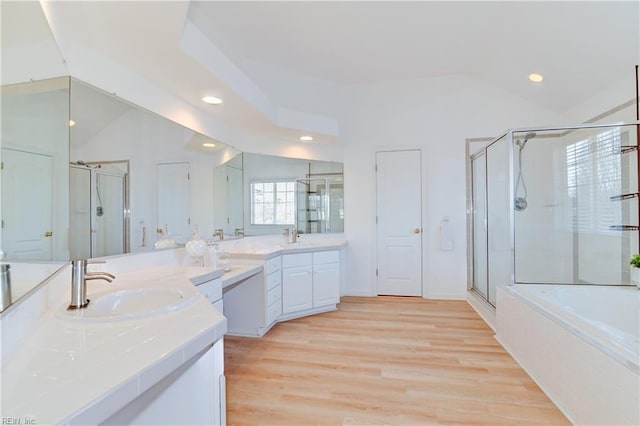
{"type": "Point", "coordinates": [416, 231]}
{"type": "Point", "coordinates": [48, 234]}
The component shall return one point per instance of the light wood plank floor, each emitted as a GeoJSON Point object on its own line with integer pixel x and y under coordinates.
{"type": "Point", "coordinates": [384, 360]}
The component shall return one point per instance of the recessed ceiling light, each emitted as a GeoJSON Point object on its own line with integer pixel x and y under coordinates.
{"type": "Point", "coordinates": [212, 100]}
{"type": "Point", "coordinates": [536, 78]}
{"type": "Point", "coordinates": [306, 138]}
{"type": "Point", "coordinates": [72, 123]}
{"type": "Point", "coordinates": [209, 145]}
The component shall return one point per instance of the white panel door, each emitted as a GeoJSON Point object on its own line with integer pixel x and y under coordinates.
{"type": "Point", "coordinates": [399, 225]}
{"type": "Point", "coordinates": [174, 200]}
{"type": "Point", "coordinates": [26, 214]}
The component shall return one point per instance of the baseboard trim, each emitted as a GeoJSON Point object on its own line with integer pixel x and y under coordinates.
{"type": "Point", "coordinates": [486, 311]}
{"type": "Point", "coordinates": [446, 296]}
{"type": "Point", "coordinates": [358, 293]}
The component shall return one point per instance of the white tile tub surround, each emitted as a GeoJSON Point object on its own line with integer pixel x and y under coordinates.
{"type": "Point", "coordinates": [591, 378]}
{"type": "Point", "coordinates": [63, 370]}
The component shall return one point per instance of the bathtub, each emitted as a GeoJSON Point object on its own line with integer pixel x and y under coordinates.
{"type": "Point", "coordinates": [580, 344]}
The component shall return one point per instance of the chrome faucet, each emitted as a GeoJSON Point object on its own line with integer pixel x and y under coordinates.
{"type": "Point", "coordinates": [79, 278]}
{"type": "Point", "coordinates": [218, 233]}
{"type": "Point", "coordinates": [5, 273]}
{"type": "Point", "coordinates": [294, 235]}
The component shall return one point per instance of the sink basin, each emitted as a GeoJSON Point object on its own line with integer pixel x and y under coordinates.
{"type": "Point", "coordinates": [133, 304]}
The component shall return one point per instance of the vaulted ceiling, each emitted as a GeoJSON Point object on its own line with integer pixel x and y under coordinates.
{"type": "Point", "coordinates": [281, 66]}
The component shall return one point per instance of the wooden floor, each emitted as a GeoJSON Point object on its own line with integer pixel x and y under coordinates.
{"type": "Point", "coordinates": [381, 361]}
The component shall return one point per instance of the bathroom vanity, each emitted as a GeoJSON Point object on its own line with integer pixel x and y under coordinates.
{"type": "Point", "coordinates": [146, 340]}
{"type": "Point", "coordinates": [287, 281]}
{"type": "Point", "coordinates": [133, 356]}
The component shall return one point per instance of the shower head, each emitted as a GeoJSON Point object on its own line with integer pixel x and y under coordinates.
{"type": "Point", "coordinates": [521, 143]}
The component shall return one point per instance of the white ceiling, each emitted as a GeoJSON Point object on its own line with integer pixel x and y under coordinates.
{"type": "Point", "coordinates": [581, 47]}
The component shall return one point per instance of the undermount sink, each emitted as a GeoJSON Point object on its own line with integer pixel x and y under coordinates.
{"type": "Point", "coordinates": [133, 304]}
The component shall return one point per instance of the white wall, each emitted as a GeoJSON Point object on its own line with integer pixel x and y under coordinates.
{"type": "Point", "coordinates": [29, 52]}
{"type": "Point", "coordinates": [435, 115]}
{"type": "Point", "coordinates": [617, 94]}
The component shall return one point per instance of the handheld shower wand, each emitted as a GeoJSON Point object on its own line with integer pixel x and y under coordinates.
{"type": "Point", "coordinates": [520, 203]}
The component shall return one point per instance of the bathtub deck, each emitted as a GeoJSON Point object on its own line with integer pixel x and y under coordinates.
{"type": "Point", "coordinates": [384, 360]}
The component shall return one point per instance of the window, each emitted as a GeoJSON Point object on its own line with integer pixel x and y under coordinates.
{"type": "Point", "coordinates": [273, 203]}
{"type": "Point", "coordinates": [594, 174]}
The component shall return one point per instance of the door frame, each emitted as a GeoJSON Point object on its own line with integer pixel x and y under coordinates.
{"type": "Point", "coordinates": [423, 259]}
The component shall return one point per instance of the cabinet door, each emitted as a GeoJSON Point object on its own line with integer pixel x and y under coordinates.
{"type": "Point", "coordinates": [297, 289]}
{"type": "Point", "coordinates": [326, 284]}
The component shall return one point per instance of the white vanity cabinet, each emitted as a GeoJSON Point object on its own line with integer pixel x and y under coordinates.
{"type": "Point", "coordinates": [273, 279]}
{"type": "Point", "coordinates": [212, 290]}
{"type": "Point", "coordinates": [297, 282]}
{"type": "Point", "coordinates": [326, 278]}
{"type": "Point", "coordinates": [310, 283]}
{"type": "Point", "coordinates": [252, 295]}
{"type": "Point", "coordinates": [290, 282]}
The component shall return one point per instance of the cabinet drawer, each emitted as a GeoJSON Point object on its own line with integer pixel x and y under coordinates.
{"type": "Point", "coordinates": [273, 280]}
{"type": "Point", "coordinates": [292, 260]}
{"type": "Point", "coordinates": [273, 295]}
{"type": "Point", "coordinates": [272, 265]}
{"type": "Point", "coordinates": [212, 290]}
{"type": "Point", "coordinates": [321, 257]}
{"type": "Point", "coordinates": [273, 312]}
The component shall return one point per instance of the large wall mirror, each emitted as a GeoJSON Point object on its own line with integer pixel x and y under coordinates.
{"type": "Point", "coordinates": [87, 174]}
{"type": "Point", "coordinates": [258, 194]}
{"type": "Point", "coordinates": [282, 193]}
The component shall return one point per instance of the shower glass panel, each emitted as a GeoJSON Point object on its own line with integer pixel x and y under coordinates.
{"type": "Point", "coordinates": [320, 205]}
{"type": "Point", "coordinates": [498, 216]}
{"type": "Point", "coordinates": [479, 194]}
{"type": "Point", "coordinates": [110, 214]}
{"type": "Point", "coordinates": [555, 206]}
{"type": "Point", "coordinates": [582, 205]}
{"type": "Point", "coordinates": [336, 205]}
{"type": "Point", "coordinates": [311, 203]}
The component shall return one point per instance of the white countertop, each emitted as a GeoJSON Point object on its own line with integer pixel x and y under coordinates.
{"type": "Point", "coordinates": [75, 371]}
{"type": "Point", "coordinates": [259, 250]}
{"type": "Point", "coordinates": [239, 273]}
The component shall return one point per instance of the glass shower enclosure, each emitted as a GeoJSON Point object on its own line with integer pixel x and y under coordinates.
{"type": "Point", "coordinates": [320, 205]}
{"type": "Point", "coordinates": [554, 206]}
